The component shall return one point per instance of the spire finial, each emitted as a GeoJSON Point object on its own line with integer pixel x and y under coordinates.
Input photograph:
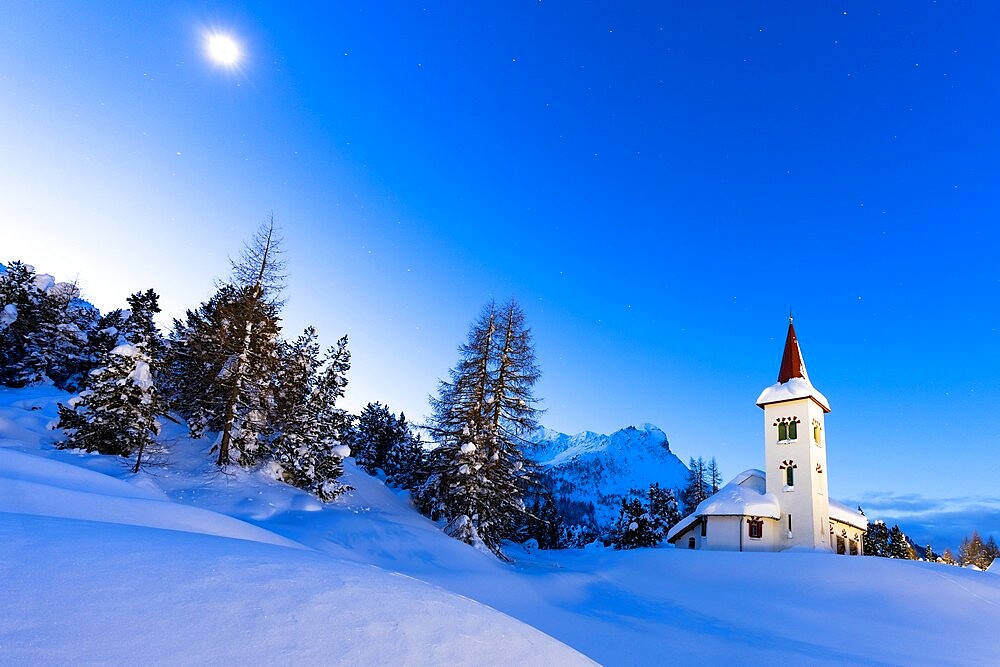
{"type": "Point", "coordinates": [789, 314]}
{"type": "Point", "coordinates": [792, 365]}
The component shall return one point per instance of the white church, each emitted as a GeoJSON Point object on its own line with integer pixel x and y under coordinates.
{"type": "Point", "coordinates": [787, 504]}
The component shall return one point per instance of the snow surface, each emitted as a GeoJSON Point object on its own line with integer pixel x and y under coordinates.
{"type": "Point", "coordinates": [367, 580]}
{"type": "Point", "coordinates": [793, 389]}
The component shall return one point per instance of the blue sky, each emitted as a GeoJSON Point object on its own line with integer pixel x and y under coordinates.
{"type": "Point", "coordinates": [657, 184]}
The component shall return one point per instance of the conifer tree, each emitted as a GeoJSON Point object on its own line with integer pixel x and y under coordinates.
{"type": "Point", "coordinates": [376, 434]}
{"type": "Point", "coordinates": [479, 417]}
{"type": "Point", "coordinates": [406, 461]}
{"type": "Point", "coordinates": [663, 510]}
{"type": "Point", "coordinates": [381, 441]}
{"type": "Point", "coordinates": [542, 520]}
{"type": "Point", "coordinates": [43, 330]}
{"type": "Point", "coordinates": [713, 478]}
{"type": "Point", "coordinates": [929, 554]}
{"type": "Point", "coordinates": [876, 539]}
{"type": "Point", "coordinates": [308, 427]}
{"type": "Point", "coordinates": [224, 355]}
{"type": "Point", "coordinates": [899, 545]}
{"type": "Point", "coordinates": [973, 552]}
{"type": "Point", "coordinates": [697, 487]}
{"type": "Point", "coordinates": [992, 550]}
{"type": "Point", "coordinates": [117, 412]}
{"type": "Point", "coordinates": [635, 527]}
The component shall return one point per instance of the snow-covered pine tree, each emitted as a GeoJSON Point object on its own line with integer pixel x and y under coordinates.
{"type": "Point", "coordinates": [376, 433]}
{"type": "Point", "coordinates": [43, 330]}
{"type": "Point", "coordinates": [479, 417]}
{"type": "Point", "coordinates": [224, 355]}
{"type": "Point", "coordinates": [663, 509]}
{"type": "Point", "coordinates": [381, 441]}
{"type": "Point", "coordinates": [992, 550]}
{"type": "Point", "coordinates": [543, 522]}
{"type": "Point", "coordinates": [308, 427]}
{"type": "Point", "coordinates": [876, 539]}
{"type": "Point", "coordinates": [117, 412]}
{"type": "Point", "coordinates": [929, 554]}
{"type": "Point", "coordinates": [635, 527]}
{"type": "Point", "coordinates": [406, 461]}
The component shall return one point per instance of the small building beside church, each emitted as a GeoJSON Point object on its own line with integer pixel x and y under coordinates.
{"type": "Point", "coordinates": [787, 504]}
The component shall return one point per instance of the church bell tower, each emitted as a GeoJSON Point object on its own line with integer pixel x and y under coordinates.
{"type": "Point", "coordinates": [795, 452]}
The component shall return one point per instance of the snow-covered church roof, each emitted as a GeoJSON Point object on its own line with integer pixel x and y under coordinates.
{"type": "Point", "coordinates": [793, 380]}
{"type": "Point", "coordinates": [746, 495]}
{"type": "Point", "coordinates": [844, 514]}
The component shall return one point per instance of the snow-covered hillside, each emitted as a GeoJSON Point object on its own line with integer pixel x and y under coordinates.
{"type": "Point", "coordinates": [182, 564]}
{"type": "Point", "coordinates": [592, 467]}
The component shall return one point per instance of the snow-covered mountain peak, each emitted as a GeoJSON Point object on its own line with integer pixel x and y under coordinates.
{"type": "Point", "coordinates": [601, 469]}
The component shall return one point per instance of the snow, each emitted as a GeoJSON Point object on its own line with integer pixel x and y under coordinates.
{"type": "Point", "coordinates": [468, 448]}
{"type": "Point", "coordinates": [125, 350]}
{"type": "Point", "coordinates": [795, 388]}
{"type": "Point", "coordinates": [343, 451]}
{"type": "Point", "coordinates": [43, 281]}
{"type": "Point", "coordinates": [8, 315]}
{"type": "Point", "coordinates": [744, 496]}
{"type": "Point", "coordinates": [182, 564]}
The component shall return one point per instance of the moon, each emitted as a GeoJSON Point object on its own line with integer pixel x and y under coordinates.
{"type": "Point", "coordinates": [223, 49]}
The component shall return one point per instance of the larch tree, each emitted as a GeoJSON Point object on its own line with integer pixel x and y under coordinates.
{"type": "Point", "coordinates": [225, 354]}
{"type": "Point", "coordinates": [479, 418]}
{"type": "Point", "coordinates": [697, 487]}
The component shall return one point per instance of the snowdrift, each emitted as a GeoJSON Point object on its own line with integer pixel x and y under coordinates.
{"type": "Point", "coordinates": [184, 565]}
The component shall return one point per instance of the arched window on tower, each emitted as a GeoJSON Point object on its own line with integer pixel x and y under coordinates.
{"type": "Point", "coordinates": [789, 468]}
{"type": "Point", "coordinates": [788, 428]}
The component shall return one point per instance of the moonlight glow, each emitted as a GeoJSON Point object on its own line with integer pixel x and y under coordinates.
{"type": "Point", "coordinates": [223, 50]}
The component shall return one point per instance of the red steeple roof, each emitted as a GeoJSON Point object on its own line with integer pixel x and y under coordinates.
{"type": "Point", "coordinates": [792, 365]}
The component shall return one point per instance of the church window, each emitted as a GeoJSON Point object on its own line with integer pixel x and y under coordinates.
{"type": "Point", "coordinates": [789, 524]}
{"type": "Point", "coordinates": [788, 428]}
{"type": "Point", "coordinates": [704, 526]}
{"type": "Point", "coordinates": [788, 467]}
{"type": "Point", "coordinates": [816, 432]}
{"type": "Point", "coordinates": [756, 528]}
{"type": "Point", "coordinates": [853, 548]}
{"type": "Point", "coordinates": [690, 543]}
{"type": "Point", "coordinates": [840, 545]}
